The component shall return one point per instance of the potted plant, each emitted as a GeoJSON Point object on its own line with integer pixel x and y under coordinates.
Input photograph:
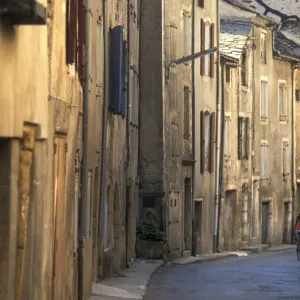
{"type": "Point", "coordinates": [150, 240]}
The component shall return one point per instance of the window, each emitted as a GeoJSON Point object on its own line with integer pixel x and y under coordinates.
{"type": "Point", "coordinates": [99, 57]}
{"type": "Point", "coordinates": [244, 69]}
{"type": "Point", "coordinates": [207, 42]}
{"type": "Point", "coordinates": [297, 95]}
{"type": "Point", "coordinates": [207, 141]}
{"type": "Point", "coordinates": [228, 74]}
{"type": "Point", "coordinates": [186, 34]}
{"type": "Point", "coordinates": [243, 142]}
{"type": "Point", "coordinates": [285, 160]}
{"type": "Point", "coordinates": [264, 101]}
{"type": "Point", "coordinates": [263, 48]}
{"type": "Point", "coordinates": [201, 3]}
{"type": "Point", "coordinates": [227, 138]}
{"type": "Point", "coordinates": [282, 102]}
{"type": "Point", "coordinates": [264, 161]}
{"type": "Point", "coordinates": [71, 29]}
{"type": "Point", "coordinates": [173, 45]}
{"type": "Point", "coordinates": [186, 95]}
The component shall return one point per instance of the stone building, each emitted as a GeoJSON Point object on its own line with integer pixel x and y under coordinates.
{"type": "Point", "coordinates": [165, 150]}
{"type": "Point", "coordinates": [69, 143]}
{"type": "Point", "coordinates": [258, 61]}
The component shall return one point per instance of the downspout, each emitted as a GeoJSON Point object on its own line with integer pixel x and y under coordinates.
{"type": "Point", "coordinates": [217, 171]}
{"type": "Point", "coordinates": [193, 132]}
{"type": "Point", "coordinates": [221, 151]}
{"type": "Point", "coordinates": [293, 154]}
{"type": "Point", "coordinates": [104, 114]}
{"type": "Point", "coordinates": [84, 174]}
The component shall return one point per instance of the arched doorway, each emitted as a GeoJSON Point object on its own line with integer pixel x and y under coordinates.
{"type": "Point", "coordinates": [117, 231]}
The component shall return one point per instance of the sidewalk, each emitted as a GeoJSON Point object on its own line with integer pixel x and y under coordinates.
{"type": "Point", "coordinates": [130, 284]}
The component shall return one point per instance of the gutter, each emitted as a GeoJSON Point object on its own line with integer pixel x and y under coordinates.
{"type": "Point", "coordinates": [218, 130]}
{"type": "Point", "coordinates": [293, 154]}
{"type": "Point", "coordinates": [84, 175]}
{"type": "Point", "coordinates": [104, 114]}
{"type": "Point", "coordinates": [193, 131]}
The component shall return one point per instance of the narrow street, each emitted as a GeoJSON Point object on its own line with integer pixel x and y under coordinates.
{"type": "Point", "coordinates": [271, 275]}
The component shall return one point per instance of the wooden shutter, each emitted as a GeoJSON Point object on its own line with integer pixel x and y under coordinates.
{"type": "Point", "coordinates": [240, 138]}
{"type": "Point", "coordinates": [202, 139]}
{"type": "Point", "coordinates": [202, 66]}
{"type": "Point", "coordinates": [226, 138]}
{"type": "Point", "coordinates": [212, 56]}
{"type": "Point", "coordinates": [186, 21]}
{"type": "Point", "coordinates": [71, 31]}
{"type": "Point", "coordinates": [81, 39]}
{"type": "Point", "coordinates": [212, 141]}
{"type": "Point", "coordinates": [247, 137]}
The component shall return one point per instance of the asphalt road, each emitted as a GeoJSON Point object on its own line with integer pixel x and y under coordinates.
{"type": "Point", "coordinates": [269, 275]}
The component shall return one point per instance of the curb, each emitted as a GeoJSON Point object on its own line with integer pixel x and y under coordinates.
{"type": "Point", "coordinates": [150, 276]}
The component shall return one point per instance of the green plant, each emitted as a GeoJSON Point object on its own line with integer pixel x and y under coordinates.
{"type": "Point", "coordinates": [149, 231]}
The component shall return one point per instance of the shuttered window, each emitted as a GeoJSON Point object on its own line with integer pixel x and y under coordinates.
{"type": "Point", "coordinates": [282, 102]}
{"type": "Point", "coordinates": [228, 74]}
{"type": "Point", "coordinates": [201, 3]}
{"type": "Point", "coordinates": [297, 95]}
{"type": "Point", "coordinates": [263, 48]}
{"type": "Point", "coordinates": [186, 96]}
{"type": "Point", "coordinates": [99, 58]}
{"type": "Point", "coordinates": [285, 160]}
{"type": "Point", "coordinates": [207, 65]}
{"type": "Point", "coordinates": [71, 29]}
{"type": "Point", "coordinates": [264, 168]}
{"type": "Point", "coordinates": [243, 138]}
{"type": "Point", "coordinates": [264, 101]}
{"type": "Point", "coordinates": [186, 34]}
{"type": "Point", "coordinates": [244, 70]}
{"type": "Point", "coordinates": [227, 138]}
{"type": "Point", "coordinates": [81, 39]}
{"type": "Point", "coordinates": [208, 136]}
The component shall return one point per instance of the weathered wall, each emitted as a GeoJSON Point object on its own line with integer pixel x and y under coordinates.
{"type": "Point", "coordinates": [205, 98]}
{"type": "Point", "coordinates": [274, 190]}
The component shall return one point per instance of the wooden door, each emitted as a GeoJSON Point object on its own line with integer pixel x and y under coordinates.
{"type": "Point", "coordinates": [264, 224]}
{"type": "Point", "coordinates": [59, 218]}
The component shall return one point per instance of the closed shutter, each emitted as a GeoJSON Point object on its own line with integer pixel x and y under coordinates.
{"type": "Point", "coordinates": [264, 162]}
{"type": "Point", "coordinates": [247, 138]}
{"type": "Point", "coordinates": [81, 39]}
{"type": "Point", "coordinates": [240, 138]}
{"type": "Point", "coordinates": [264, 103]}
{"type": "Point", "coordinates": [202, 138]}
{"type": "Point", "coordinates": [186, 26]}
{"type": "Point", "coordinates": [71, 31]}
{"type": "Point", "coordinates": [212, 56]}
{"type": "Point", "coordinates": [212, 140]}
{"type": "Point", "coordinates": [226, 138]}
{"type": "Point", "coordinates": [202, 67]}
{"type": "Point", "coordinates": [186, 99]}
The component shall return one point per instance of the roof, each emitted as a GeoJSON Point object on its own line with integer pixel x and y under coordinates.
{"type": "Point", "coordinates": [233, 37]}
{"type": "Point", "coordinates": [287, 39]}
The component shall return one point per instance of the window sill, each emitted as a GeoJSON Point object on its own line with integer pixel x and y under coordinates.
{"type": "Point", "coordinates": [264, 121]}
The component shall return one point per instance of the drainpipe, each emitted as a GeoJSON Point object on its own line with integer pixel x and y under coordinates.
{"type": "Point", "coordinates": [217, 171]}
{"type": "Point", "coordinates": [105, 112]}
{"type": "Point", "coordinates": [84, 174]}
{"type": "Point", "coordinates": [193, 132]}
{"type": "Point", "coordinates": [293, 158]}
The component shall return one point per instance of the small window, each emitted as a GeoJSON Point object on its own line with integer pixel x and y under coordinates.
{"type": "Point", "coordinates": [207, 66]}
{"type": "Point", "coordinates": [201, 3]}
{"type": "Point", "coordinates": [264, 101]}
{"type": "Point", "coordinates": [244, 69]}
{"type": "Point", "coordinates": [282, 102]}
{"type": "Point", "coordinates": [285, 160]}
{"type": "Point", "coordinates": [228, 73]}
{"type": "Point", "coordinates": [264, 172]}
{"type": "Point", "coordinates": [243, 134]}
{"type": "Point", "coordinates": [227, 138]}
{"type": "Point", "coordinates": [186, 34]}
{"type": "Point", "coordinates": [297, 95]}
{"type": "Point", "coordinates": [186, 95]}
{"type": "Point", "coordinates": [207, 141]}
{"type": "Point", "coordinates": [263, 48]}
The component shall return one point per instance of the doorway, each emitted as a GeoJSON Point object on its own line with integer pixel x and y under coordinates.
{"type": "Point", "coordinates": [287, 221]}
{"type": "Point", "coordinates": [187, 214]}
{"type": "Point", "coordinates": [230, 219]}
{"type": "Point", "coordinates": [117, 231]}
{"type": "Point", "coordinates": [254, 209]}
{"type": "Point", "coordinates": [198, 226]}
{"type": "Point", "coordinates": [264, 223]}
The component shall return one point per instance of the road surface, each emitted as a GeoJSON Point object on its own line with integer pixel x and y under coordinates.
{"type": "Point", "coordinates": [264, 276]}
